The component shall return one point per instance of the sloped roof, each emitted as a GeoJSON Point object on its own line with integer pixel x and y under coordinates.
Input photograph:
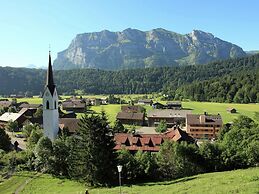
{"type": "Point", "coordinates": [130, 116]}
{"type": "Point", "coordinates": [70, 123]}
{"type": "Point", "coordinates": [5, 104]}
{"type": "Point", "coordinates": [167, 113]}
{"type": "Point", "coordinates": [193, 119]}
{"type": "Point", "coordinates": [73, 104]}
{"type": "Point", "coordinates": [149, 142]}
{"type": "Point", "coordinates": [10, 116]}
{"type": "Point", "coordinates": [26, 105]}
{"type": "Point", "coordinates": [134, 108]}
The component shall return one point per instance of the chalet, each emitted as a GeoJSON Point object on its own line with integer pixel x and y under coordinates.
{"type": "Point", "coordinates": [158, 105]}
{"type": "Point", "coordinates": [27, 105]}
{"type": "Point", "coordinates": [148, 142]}
{"type": "Point", "coordinates": [74, 105]}
{"type": "Point", "coordinates": [231, 110]}
{"type": "Point", "coordinates": [95, 101]}
{"type": "Point", "coordinates": [133, 108]}
{"type": "Point", "coordinates": [5, 104]}
{"type": "Point", "coordinates": [174, 105]}
{"type": "Point", "coordinates": [169, 115]}
{"type": "Point", "coordinates": [18, 117]}
{"type": "Point", "coordinates": [71, 124]}
{"type": "Point", "coordinates": [203, 126]}
{"type": "Point", "coordinates": [104, 101]}
{"type": "Point", "coordinates": [145, 102]}
{"type": "Point", "coordinates": [131, 118]}
{"type": "Point", "coordinates": [28, 112]}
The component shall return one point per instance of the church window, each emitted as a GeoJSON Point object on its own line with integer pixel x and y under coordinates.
{"type": "Point", "coordinates": [55, 104]}
{"type": "Point", "coordinates": [47, 104]}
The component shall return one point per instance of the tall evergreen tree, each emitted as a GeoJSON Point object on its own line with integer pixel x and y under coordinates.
{"type": "Point", "coordinates": [92, 156]}
{"type": "Point", "coordinates": [5, 141]}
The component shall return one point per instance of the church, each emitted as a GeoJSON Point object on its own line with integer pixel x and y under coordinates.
{"type": "Point", "coordinates": [50, 106]}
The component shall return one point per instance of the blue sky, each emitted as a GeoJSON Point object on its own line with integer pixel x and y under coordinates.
{"type": "Point", "coordinates": [29, 26]}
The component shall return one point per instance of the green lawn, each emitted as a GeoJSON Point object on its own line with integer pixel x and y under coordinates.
{"type": "Point", "coordinates": [238, 181]}
{"type": "Point", "coordinates": [215, 108]}
{"type": "Point", "coordinates": [13, 183]}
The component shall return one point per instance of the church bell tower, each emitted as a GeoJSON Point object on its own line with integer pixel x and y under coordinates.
{"type": "Point", "coordinates": [50, 106]}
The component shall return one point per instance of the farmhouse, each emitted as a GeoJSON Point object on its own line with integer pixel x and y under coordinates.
{"type": "Point", "coordinates": [74, 105]}
{"type": "Point", "coordinates": [71, 124]}
{"type": "Point", "coordinates": [169, 115]}
{"type": "Point", "coordinates": [5, 104]}
{"type": "Point", "coordinates": [133, 108]}
{"type": "Point", "coordinates": [145, 102]}
{"type": "Point", "coordinates": [148, 142]}
{"type": "Point", "coordinates": [28, 112]}
{"type": "Point", "coordinates": [158, 105]}
{"type": "Point", "coordinates": [203, 126]}
{"type": "Point", "coordinates": [18, 117]}
{"type": "Point", "coordinates": [27, 105]}
{"type": "Point", "coordinates": [174, 105]}
{"type": "Point", "coordinates": [131, 118]}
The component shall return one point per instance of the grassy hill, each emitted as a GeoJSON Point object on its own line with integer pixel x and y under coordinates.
{"type": "Point", "coordinates": [238, 181]}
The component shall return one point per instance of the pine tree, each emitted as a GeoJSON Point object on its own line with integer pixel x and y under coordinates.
{"type": "Point", "coordinates": [92, 155]}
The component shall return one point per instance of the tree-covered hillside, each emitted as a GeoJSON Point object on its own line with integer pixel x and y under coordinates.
{"type": "Point", "coordinates": [149, 80]}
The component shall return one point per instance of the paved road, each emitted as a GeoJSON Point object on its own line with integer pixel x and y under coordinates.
{"type": "Point", "coordinates": [22, 143]}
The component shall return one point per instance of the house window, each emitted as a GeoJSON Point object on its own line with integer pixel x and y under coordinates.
{"type": "Point", "coordinates": [47, 104]}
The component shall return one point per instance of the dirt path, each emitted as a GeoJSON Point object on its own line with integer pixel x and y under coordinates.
{"type": "Point", "coordinates": [22, 144]}
{"type": "Point", "coordinates": [21, 187]}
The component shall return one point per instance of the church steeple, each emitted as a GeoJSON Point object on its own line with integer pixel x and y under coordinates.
{"type": "Point", "coordinates": [50, 106]}
{"type": "Point", "coordinates": [50, 82]}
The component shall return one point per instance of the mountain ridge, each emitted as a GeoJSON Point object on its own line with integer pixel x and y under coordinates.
{"type": "Point", "coordinates": [133, 48]}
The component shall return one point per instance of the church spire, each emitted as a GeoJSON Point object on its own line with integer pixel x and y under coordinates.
{"type": "Point", "coordinates": [50, 82]}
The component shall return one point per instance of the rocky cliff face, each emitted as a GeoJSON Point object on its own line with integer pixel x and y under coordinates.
{"type": "Point", "coordinates": [133, 48]}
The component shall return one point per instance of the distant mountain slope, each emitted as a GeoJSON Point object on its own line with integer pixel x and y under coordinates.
{"type": "Point", "coordinates": [133, 48]}
{"type": "Point", "coordinates": [216, 81]}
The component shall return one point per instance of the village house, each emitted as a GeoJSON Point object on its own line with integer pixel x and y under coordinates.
{"type": "Point", "coordinates": [203, 126]}
{"type": "Point", "coordinates": [27, 105]}
{"type": "Point", "coordinates": [9, 116]}
{"type": "Point", "coordinates": [174, 105]}
{"type": "Point", "coordinates": [95, 101]}
{"type": "Point", "coordinates": [131, 118]}
{"type": "Point", "coordinates": [71, 124]}
{"type": "Point", "coordinates": [149, 142]}
{"type": "Point", "coordinates": [158, 105]}
{"type": "Point", "coordinates": [171, 117]}
{"type": "Point", "coordinates": [5, 104]}
{"type": "Point", "coordinates": [148, 102]}
{"type": "Point", "coordinates": [78, 106]}
{"type": "Point", "coordinates": [132, 108]}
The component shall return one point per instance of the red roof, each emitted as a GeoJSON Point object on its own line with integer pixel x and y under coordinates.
{"type": "Point", "coordinates": [148, 142]}
{"type": "Point", "coordinates": [144, 142]}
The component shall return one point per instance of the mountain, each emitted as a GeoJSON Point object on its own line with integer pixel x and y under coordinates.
{"type": "Point", "coordinates": [133, 48]}
{"type": "Point", "coordinates": [232, 80]}
{"type": "Point", "coordinates": [252, 52]}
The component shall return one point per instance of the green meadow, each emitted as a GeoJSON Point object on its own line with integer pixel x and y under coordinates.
{"type": "Point", "coordinates": [196, 107]}
{"type": "Point", "coordinates": [238, 181]}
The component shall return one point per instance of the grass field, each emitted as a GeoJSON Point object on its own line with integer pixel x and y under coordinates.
{"type": "Point", "coordinates": [215, 108]}
{"type": "Point", "coordinates": [238, 181]}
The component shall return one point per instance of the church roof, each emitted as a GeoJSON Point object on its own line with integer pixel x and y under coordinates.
{"type": "Point", "coordinates": [50, 82]}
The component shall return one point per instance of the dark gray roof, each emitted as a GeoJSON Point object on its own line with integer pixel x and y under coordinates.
{"type": "Point", "coordinates": [167, 113]}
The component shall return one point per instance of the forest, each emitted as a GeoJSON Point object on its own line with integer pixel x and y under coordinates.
{"type": "Point", "coordinates": [233, 80]}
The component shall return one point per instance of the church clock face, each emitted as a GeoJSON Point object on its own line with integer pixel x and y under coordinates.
{"type": "Point", "coordinates": [47, 93]}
